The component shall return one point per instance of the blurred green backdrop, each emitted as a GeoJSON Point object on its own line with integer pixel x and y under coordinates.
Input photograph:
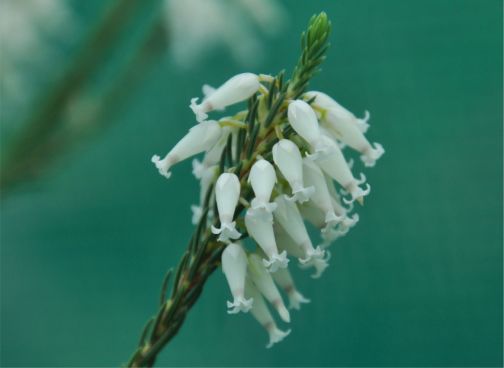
{"type": "Point", "coordinates": [417, 283]}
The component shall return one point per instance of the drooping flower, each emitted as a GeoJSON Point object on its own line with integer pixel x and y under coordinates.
{"type": "Point", "coordinates": [238, 88]}
{"type": "Point", "coordinates": [321, 198]}
{"type": "Point", "coordinates": [263, 316]}
{"type": "Point", "coordinates": [303, 120]}
{"type": "Point", "coordinates": [289, 218]}
{"type": "Point", "coordinates": [227, 193]}
{"type": "Point", "coordinates": [260, 228]}
{"type": "Point", "coordinates": [264, 283]}
{"type": "Point", "coordinates": [288, 159]}
{"type": "Point", "coordinates": [284, 279]}
{"type": "Point", "coordinates": [234, 266]}
{"type": "Point", "coordinates": [262, 178]}
{"type": "Point", "coordinates": [337, 168]}
{"type": "Point", "coordinates": [347, 128]}
{"type": "Point", "coordinates": [200, 138]}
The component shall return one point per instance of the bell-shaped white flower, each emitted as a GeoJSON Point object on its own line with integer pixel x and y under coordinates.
{"type": "Point", "coordinates": [234, 266]}
{"type": "Point", "coordinates": [288, 159]}
{"type": "Point", "coordinates": [304, 121]}
{"type": "Point", "coordinates": [318, 257]}
{"type": "Point", "coordinates": [227, 193]}
{"type": "Point", "coordinates": [200, 138]}
{"type": "Point", "coordinates": [263, 316]}
{"type": "Point", "coordinates": [284, 279]}
{"type": "Point", "coordinates": [321, 198]}
{"type": "Point", "coordinates": [347, 128]}
{"type": "Point", "coordinates": [262, 178]}
{"type": "Point", "coordinates": [238, 88]}
{"type": "Point", "coordinates": [264, 282]}
{"type": "Point", "coordinates": [260, 228]}
{"type": "Point", "coordinates": [207, 177]}
{"type": "Point", "coordinates": [327, 103]}
{"type": "Point", "coordinates": [337, 168]}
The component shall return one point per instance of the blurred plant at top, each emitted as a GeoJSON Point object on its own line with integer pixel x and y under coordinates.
{"type": "Point", "coordinates": [198, 26]}
{"type": "Point", "coordinates": [66, 92]}
{"type": "Point", "coordinates": [265, 171]}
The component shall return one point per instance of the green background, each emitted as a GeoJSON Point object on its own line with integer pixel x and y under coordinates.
{"type": "Point", "coordinates": [417, 283]}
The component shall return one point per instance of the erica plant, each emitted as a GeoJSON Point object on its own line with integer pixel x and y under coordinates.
{"type": "Point", "coordinates": [265, 171]}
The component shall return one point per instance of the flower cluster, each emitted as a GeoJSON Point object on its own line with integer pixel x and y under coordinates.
{"type": "Point", "coordinates": [281, 172]}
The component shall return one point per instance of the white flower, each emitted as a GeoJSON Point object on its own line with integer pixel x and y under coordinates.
{"type": "Point", "coordinates": [262, 178]}
{"type": "Point", "coordinates": [234, 266]}
{"type": "Point", "coordinates": [287, 158]}
{"type": "Point", "coordinates": [207, 177]}
{"type": "Point", "coordinates": [347, 128]}
{"type": "Point", "coordinates": [200, 138]}
{"type": "Point", "coordinates": [318, 257]}
{"type": "Point", "coordinates": [227, 193]}
{"type": "Point", "coordinates": [263, 316]}
{"type": "Point", "coordinates": [321, 198]}
{"type": "Point", "coordinates": [289, 218]}
{"type": "Point", "coordinates": [265, 284]}
{"type": "Point", "coordinates": [238, 88]}
{"type": "Point", "coordinates": [303, 120]}
{"type": "Point", "coordinates": [337, 168]}
{"type": "Point", "coordinates": [284, 279]}
{"type": "Point", "coordinates": [260, 229]}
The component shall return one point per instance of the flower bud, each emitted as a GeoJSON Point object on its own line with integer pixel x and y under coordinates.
{"type": "Point", "coordinates": [238, 88]}
{"type": "Point", "coordinates": [284, 279]}
{"type": "Point", "coordinates": [262, 178]}
{"type": "Point", "coordinates": [287, 158]}
{"type": "Point", "coordinates": [265, 284]}
{"type": "Point", "coordinates": [227, 193]}
{"type": "Point", "coordinates": [200, 138]}
{"type": "Point", "coordinates": [263, 316]}
{"type": "Point", "coordinates": [337, 168]}
{"type": "Point", "coordinates": [260, 229]}
{"type": "Point", "coordinates": [234, 266]}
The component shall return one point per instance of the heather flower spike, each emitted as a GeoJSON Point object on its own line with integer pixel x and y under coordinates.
{"type": "Point", "coordinates": [227, 193]}
{"type": "Point", "coordinates": [234, 266]}
{"type": "Point", "coordinates": [263, 316]}
{"type": "Point", "coordinates": [284, 279]}
{"type": "Point", "coordinates": [288, 159]}
{"type": "Point", "coordinates": [254, 183]}
{"type": "Point", "coordinates": [264, 283]}
{"type": "Point", "coordinates": [238, 88]}
{"type": "Point", "coordinates": [262, 178]}
{"type": "Point", "coordinates": [200, 138]}
{"type": "Point", "coordinates": [260, 228]}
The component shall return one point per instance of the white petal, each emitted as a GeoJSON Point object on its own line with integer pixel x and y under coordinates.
{"type": "Point", "coordinates": [227, 193]}
{"type": "Point", "coordinates": [304, 121]}
{"type": "Point", "coordinates": [262, 178]}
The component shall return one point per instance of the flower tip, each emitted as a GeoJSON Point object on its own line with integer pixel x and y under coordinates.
{"type": "Point", "coordinates": [239, 305]}
{"type": "Point", "coordinates": [296, 299]}
{"type": "Point", "coordinates": [276, 335]}
{"type": "Point", "coordinates": [372, 155]}
{"type": "Point", "coordinates": [198, 110]}
{"type": "Point", "coordinates": [363, 123]}
{"type": "Point", "coordinates": [161, 166]}
{"type": "Point", "coordinates": [276, 262]}
{"type": "Point", "coordinates": [302, 195]}
{"type": "Point", "coordinates": [227, 231]}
